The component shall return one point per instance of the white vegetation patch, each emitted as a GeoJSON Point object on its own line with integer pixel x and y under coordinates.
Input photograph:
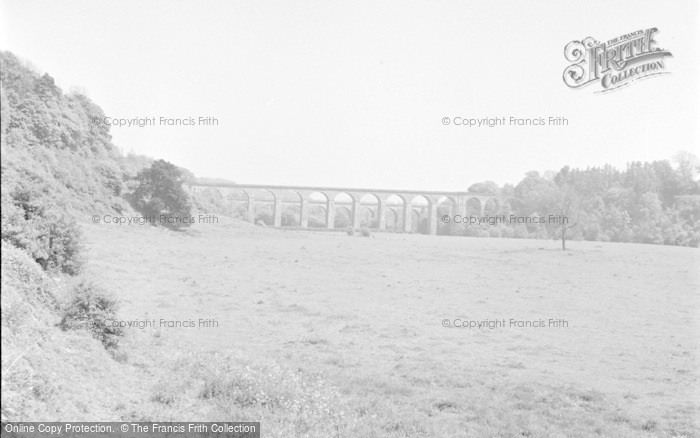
{"type": "Point", "coordinates": [225, 386]}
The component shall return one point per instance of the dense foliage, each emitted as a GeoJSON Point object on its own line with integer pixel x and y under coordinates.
{"type": "Point", "coordinates": [647, 203]}
{"type": "Point", "coordinates": [160, 194]}
{"type": "Point", "coordinates": [57, 164]}
{"type": "Point", "coordinates": [94, 309]}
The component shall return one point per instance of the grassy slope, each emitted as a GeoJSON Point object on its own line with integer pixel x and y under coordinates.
{"type": "Point", "coordinates": [48, 374]}
{"type": "Point", "coordinates": [324, 332]}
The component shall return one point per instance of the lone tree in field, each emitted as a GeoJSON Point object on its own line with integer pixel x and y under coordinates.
{"type": "Point", "coordinates": [569, 203]}
{"type": "Point", "coordinates": [569, 208]}
{"type": "Point", "coordinates": [160, 194]}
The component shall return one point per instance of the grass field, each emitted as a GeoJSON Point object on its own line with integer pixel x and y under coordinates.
{"type": "Point", "coordinates": [325, 334]}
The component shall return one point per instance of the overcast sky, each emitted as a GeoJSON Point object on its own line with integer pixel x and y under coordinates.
{"type": "Point", "coordinates": [353, 93]}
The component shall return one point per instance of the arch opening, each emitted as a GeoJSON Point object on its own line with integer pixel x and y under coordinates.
{"type": "Point", "coordinates": [369, 208]}
{"type": "Point", "coordinates": [395, 213]}
{"type": "Point", "coordinates": [317, 210]}
{"type": "Point", "coordinates": [343, 217]}
{"type": "Point", "coordinates": [291, 208]}
{"type": "Point", "coordinates": [264, 207]}
{"type": "Point", "coordinates": [446, 206]}
{"type": "Point", "coordinates": [420, 209]}
{"type": "Point", "coordinates": [236, 204]}
{"type": "Point", "coordinates": [343, 210]}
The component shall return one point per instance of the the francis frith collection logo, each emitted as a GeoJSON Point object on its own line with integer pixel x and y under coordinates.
{"type": "Point", "coordinates": [615, 63]}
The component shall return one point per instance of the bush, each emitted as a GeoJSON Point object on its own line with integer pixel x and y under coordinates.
{"type": "Point", "coordinates": [365, 232]}
{"type": "Point", "coordinates": [28, 294]}
{"type": "Point", "coordinates": [288, 400]}
{"type": "Point", "coordinates": [290, 219]}
{"type": "Point", "coordinates": [91, 308]}
{"type": "Point", "coordinates": [51, 237]}
{"type": "Point", "coordinates": [316, 223]}
{"type": "Point", "coordinates": [342, 220]}
{"type": "Point", "coordinates": [264, 218]}
{"type": "Point", "coordinates": [61, 244]}
{"type": "Point", "coordinates": [350, 231]}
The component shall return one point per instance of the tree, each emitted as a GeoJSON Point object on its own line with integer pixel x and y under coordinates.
{"type": "Point", "coordinates": [567, 202]}
{"type": "Point", "coordinates": [160, 194]}
{"type": "Point", "coordinates": [688, 167]}
{"type": "Point", "coordinates": [484, 188]}
{"type": "Point", "coordinates": [570, 207]}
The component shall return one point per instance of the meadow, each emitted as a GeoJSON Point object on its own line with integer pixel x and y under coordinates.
{"type": "Point", "coordinates": [325, 334]}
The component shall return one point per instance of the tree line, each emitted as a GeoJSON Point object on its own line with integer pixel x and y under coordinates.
{"type": "Point", "coordinates": [648, 202]}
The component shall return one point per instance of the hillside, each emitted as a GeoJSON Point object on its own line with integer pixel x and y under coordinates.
{"type": "Point", "coordinates": [57, 168]}
{"type": "Point", "coordinates": [50, 144]}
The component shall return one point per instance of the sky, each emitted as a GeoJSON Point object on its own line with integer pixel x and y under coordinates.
{"type": "Point", "coordinates": [353, 94]}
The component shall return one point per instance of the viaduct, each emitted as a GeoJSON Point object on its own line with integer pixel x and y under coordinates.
{"type": "Point", "coordinates": [403, 206]}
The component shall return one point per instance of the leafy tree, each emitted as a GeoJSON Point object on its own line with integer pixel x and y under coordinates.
{"type": "Point", "coordinates": [484, 188]}
{"type": "Point", "coordinates": [688, 170]}
{"type": "Point", "coordinates": [160, 194]}
{"type": "Point", "coordinates": [569, 208]}
{"type": "Point", "coordinates": [563, 200]}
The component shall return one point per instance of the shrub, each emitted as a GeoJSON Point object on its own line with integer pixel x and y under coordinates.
{"type": "Point", "coordinates": [50, 236]}
{"type": "Point", "coordinates": [264, 218]}
{"type": "Point", "coordinates": [342, 220]}
{"type": "Point", "coordinates": [290, 401]}
{"type": "Point", "coordinates": [27, 292]}
{"type": "Point", "coordinates": [316, 223]}
{"type": "Point", "coordinates": [350, 231]}
{"type": "Point", "coordinates": [365, 232]}
{"type": "Point", "coordinates": [241, 213]}
{"type": "Point", "coordinates": [92, 308]}
{"type": "Point", "coordinates": [61, 244]}
{"type": "Point", "coordinates": [290, 219]}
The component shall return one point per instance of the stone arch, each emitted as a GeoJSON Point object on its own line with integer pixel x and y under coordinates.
{"type": "Point", "coordinates": [264, 206]}
{"type": "Point", "coordinates": [343, 198]}
{"type": "Point", "coordinates": [446, 206]}
{"type": "Point", "coordinates": [396, 204]}
{"type": "Point", "coordinates": [341, 211]}
{"type": "Point", "coordinates": [368, 217]}
{"type": "Point", "coordinates": [393, 220]}
{"type": "Point", "coordinates": [212, 194]}
{"type": "Point", "coordinates": [317, 209]}
{"type": "Point", "coordinates": [370, 206]}
{"type": "Point", "coordinates": [421, 205]}
{"type": "Point", "coordinates": [343, 216]}
{"type": "Point", "coordinates": [290, 202]}
{"type": "Point", "coordinates": [416, 220]}
{"type": "Point", "coordinates": [236, 203]}
{"type": "Point", "coordinates": [237, 195]}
